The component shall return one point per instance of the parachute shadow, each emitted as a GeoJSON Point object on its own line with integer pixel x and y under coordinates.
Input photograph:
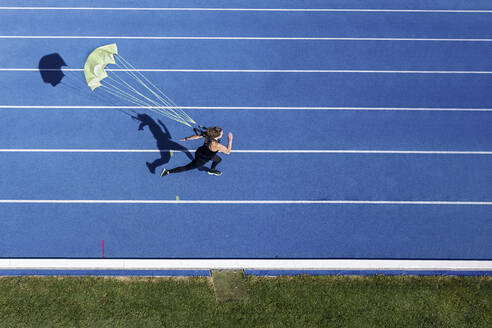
{"type": "Point", "coordinates": [163, 139]}
{"type": "Point", "coordinates": [50, 68]}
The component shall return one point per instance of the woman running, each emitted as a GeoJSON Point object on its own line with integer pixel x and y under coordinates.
{"type": "Point", "coordinates": [208, 151]}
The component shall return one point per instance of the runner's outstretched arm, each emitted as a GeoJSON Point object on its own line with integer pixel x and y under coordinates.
{"type": "Point", "coordinates": [193, 137]}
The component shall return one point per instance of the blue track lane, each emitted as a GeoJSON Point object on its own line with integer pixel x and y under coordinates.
{"type": "Point", "coordinates": [251, 231]}
{"type": "Point", "coordinates": [265, 54]}
{"type": "Point", "coordinates": [249, 177]}
{"type": "Point", "coordinates": [246, 231]}
{"type": "Point", "coordinates": [380, 4]}
{"type": "Point", "coordinates": [266, 24]}
{"type": "Point", "coordinates": [254, 129]}
{"type": "Point", "coordinates": [274, 89]}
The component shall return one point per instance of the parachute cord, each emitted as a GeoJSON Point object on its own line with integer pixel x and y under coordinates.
{"type": "Point", "coordinates": [150, 101]}
{"type": "Point", "coordinates": [127, 65]}
{"type": "Point", "coordinates": [136, 102]}
{"type": "Point", "coordinates": [145, 100]}
{"type": "Point", "coordinates": [166, 105]}
{"type": "Point", "coordinates": [135, 90]}
{"type": "Point", "coordinates": [166, 100]}
{"type": "Point", "coordinates": [121, 94]}
{"type": "Point", "coordinates": [124, 95]}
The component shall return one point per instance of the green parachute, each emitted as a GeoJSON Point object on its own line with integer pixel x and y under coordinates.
{"type": "Point", "coordinates": [126, 82]}
{"type": "Point", "coordinates": [96, 63]}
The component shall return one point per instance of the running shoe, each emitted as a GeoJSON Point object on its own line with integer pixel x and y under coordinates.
{"type": "Point", "coordinates": [165, 172]}
{"type": "Point", "coordinates": [214, 172]}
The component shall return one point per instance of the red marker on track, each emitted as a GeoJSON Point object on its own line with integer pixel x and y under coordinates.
{"type": "Point", "coordinates": [103, 249]}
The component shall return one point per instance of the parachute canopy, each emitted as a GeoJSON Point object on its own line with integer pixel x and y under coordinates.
{"type": "Point", "coordinates": [128, 83]}
{"type": "Point", "coordinates": [96, 63]}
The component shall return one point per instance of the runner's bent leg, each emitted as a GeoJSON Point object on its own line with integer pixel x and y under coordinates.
{"type": "Point", "coordinates": [190, 166]}
{"type": "Point", "coordinates": [215, 161]}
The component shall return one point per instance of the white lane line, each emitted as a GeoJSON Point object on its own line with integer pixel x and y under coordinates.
{"type": "Point", "coordinates": [343, 10]}
{"type": "Point", "coordinates": [457, 109]}
{"type": "Point", "coordinates": [256, 151]}
{"type": "Point", "coordinates": [257, 71]}
{"type": "Point", "coordinates": [246, 264]}
{"type": "Point", "coordinates": [241, 202]}
{"type": "Point", "coordinates": [239, 38]}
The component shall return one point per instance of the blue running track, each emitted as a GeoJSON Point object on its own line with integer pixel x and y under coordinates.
{"type": "Point", "coordinates": [358, 134]}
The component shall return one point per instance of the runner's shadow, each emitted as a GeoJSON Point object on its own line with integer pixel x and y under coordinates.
{"type": "Point", "coordinates": [163, 140]}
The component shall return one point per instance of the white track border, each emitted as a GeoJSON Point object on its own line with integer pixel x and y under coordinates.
{"type": "Point", "coordinates": [343, 10]}
{"type": "Point", "coordinates": [246, 202]}
{"type": "Point", "coordinates": [317, 108]}
{"type": "Point", "coordinates": [129, 37]}
{"type": "Point", "coordinates": [246, 264]}
{"type": "Point", "coordinates": [257, 151]}
{"type": "Point", "coordinates": [183, 70]}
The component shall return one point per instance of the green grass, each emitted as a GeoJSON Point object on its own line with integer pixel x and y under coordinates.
{"type": "Point", "coordinates": [230, 285]}
{"type": "Point", "coordinates": [301, 301]}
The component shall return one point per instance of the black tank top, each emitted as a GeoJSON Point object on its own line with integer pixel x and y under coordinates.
{"type": "Point", "coordinates": [204, 152]}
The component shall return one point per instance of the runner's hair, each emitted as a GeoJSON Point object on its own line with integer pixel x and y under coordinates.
{"type": "Point", "coordinates": [214, 132]}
